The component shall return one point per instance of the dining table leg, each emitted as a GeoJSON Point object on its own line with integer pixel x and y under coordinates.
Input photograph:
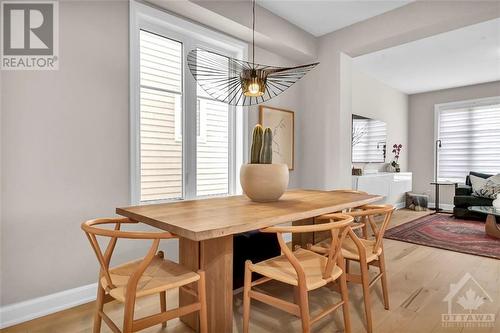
{"type": "Point", "coordinates": [215, 257]}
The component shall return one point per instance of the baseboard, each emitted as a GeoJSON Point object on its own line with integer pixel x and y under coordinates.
{"type": "Point", "coordinates": [445, 207]}
{"type": "Point", "coordinates": [38, 307]}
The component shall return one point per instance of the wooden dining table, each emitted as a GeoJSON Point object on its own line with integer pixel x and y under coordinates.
{"type": "Point", "coordinates": [206, 227]}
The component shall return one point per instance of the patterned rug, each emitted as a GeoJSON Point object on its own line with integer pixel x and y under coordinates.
{"type": "Point", "coordinates": [446, 232]}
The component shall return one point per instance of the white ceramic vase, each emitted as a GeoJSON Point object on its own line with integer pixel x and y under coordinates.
{"type": "Point", "coordinates": [264, 182]}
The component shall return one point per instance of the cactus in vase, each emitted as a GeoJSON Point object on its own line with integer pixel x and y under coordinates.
{"type": "Point", "coordinates": [266, 153]}
{"type": "Point", "coordinates": [256, 144]}
{"type": "Point", "coordinates": [261, 180]}
{"type": "Point", "coordinates": [261, 151]}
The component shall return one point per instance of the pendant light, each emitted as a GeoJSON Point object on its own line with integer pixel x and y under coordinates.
{"type": "Point", "coordinates": [238, 82]}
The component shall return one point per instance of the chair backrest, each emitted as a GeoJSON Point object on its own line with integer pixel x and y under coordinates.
{"type": "Point", "coordinates": [338, 226]}
{"type": "Point", "coordinates": [92, 230]}
{"type": "Point", "coordinates": [367, 214]}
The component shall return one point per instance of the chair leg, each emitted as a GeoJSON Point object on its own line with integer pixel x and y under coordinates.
{"type": "Point", "coordinates": [246, 297]}
{"type": "Point", "coordinates": [163, 305]}
{"type": "Point", "coordinates": [99, 307]}
{"type": "Point", "coordinates": [364, 228]}
{"type": "Point", "coordinates": [345, 307]}
{"type": "Point", "coordinates": [383, 278]}
{"type": "Point", "coordinates": [304, 310]}
{"type": "Point", "coordinates": [202, 298]}
{"type": "Point", "coordinates": [347, 266]}
{"type": "Point", "coordinates": [366, 295]}
{"type": "Point", "coordinates": [128, 314]}
{"type": "Point", "coordinates": [365, 231]}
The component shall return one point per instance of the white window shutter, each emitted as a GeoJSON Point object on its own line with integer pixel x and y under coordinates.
{"type": "Point", "coordinates": [470, 137]}
{"type": "Point", "coordinates": [160, 126]}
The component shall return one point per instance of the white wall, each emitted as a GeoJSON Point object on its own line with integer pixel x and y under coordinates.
{"type": "Point", "coordinates": [374, 99]}
{"type": "Point", "coordinates": [421, 132]}
{"type": "Point", "coordinates": [326, 144]}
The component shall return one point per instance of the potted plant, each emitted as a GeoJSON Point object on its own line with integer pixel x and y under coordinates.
{"type": "Point", "coordinates": [396, 150]}
{"type": "Point", "coordinates": [261, 180]}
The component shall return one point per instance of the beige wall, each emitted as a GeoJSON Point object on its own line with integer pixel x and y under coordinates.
{"type": "Point", "coordinates": [374, 99]}
{"type": "Point", "coordinates": [421, 132]}
{"type": "Point", "coordinates": [65, 152]}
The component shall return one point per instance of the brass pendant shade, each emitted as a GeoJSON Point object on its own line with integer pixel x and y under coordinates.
{"type": "Point", "coordinates": [253, 82]}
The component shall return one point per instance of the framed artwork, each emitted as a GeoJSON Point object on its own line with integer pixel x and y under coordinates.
{"type": "Point", "coordinates": [282, 124]}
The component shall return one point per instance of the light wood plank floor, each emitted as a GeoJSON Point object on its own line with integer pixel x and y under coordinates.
{"type": "Point", "coordinates": [419, 279]}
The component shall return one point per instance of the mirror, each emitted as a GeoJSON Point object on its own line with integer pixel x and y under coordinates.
{"type": "Point", "coordinates": [369, 137]}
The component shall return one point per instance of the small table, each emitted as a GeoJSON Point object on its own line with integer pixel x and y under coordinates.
{"type": "Point", "coordinates": [491, 226]}
{"type": "Point", "coordinates": [436, 199]}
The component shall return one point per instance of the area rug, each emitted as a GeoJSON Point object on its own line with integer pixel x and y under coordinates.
{"type": "Point", "coordinates": [446, 232]}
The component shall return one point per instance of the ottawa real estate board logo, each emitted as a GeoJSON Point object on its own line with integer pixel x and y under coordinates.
{"type": "Point", "coordinates": [30, 35]}
{"type": "Point", "coordinates": [468, 304]}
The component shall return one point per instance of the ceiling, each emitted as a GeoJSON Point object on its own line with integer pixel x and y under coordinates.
{"type": "Point", "coordinates": [321, 17]}
{"type": "Point", "coordinates": [461, 57]}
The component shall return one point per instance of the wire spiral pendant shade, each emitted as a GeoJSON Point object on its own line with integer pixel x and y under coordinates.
{"type": "Point", "coordinates": [238, 82]}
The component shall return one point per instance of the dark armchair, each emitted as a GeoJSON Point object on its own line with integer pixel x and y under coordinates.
{"type": "Point", "coordinates": [464, 199]}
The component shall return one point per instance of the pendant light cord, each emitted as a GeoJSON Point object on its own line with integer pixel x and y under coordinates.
{"type": "Point", "coordinates": [253, 35]}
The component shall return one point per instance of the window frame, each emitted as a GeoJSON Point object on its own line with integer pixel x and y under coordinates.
{"type": "Point", "coordinates": [450, 106]}
{"type": "Point", "coordinates": [191, 35]}
{"type": "Point", "coordinates": [202, 136]}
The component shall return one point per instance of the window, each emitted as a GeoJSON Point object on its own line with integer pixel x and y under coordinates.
{"type": "Point", "coordinates": [160, 102]}
{"type": "Point", "coordinates": [212, 147]}
{"type": "Point", "coordinates": [470, 138]}
{"type": "Point", "coordinates": [185, 144]}
{"type": "Point", "coordinates": [201, 122]}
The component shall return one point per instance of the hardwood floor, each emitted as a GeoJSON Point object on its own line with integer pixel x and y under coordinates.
{"type": "Point", "coordinates": [419, 279]}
